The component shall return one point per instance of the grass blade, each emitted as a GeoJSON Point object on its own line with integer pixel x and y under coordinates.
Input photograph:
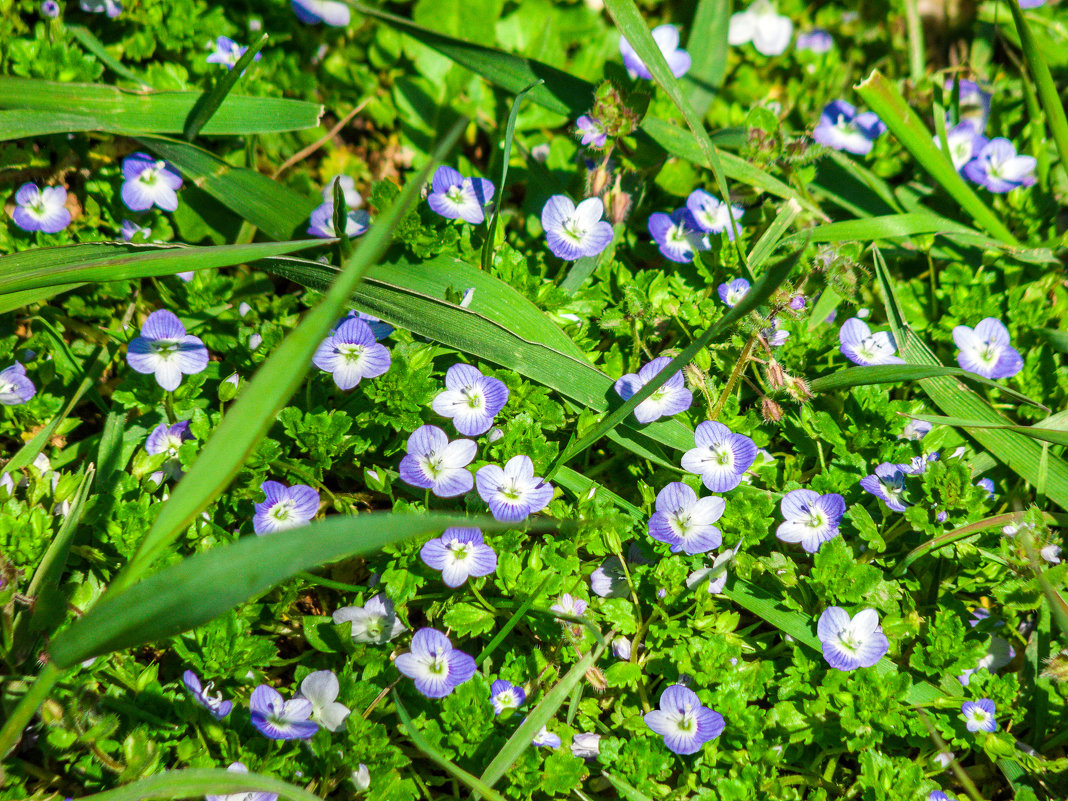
{"type": "Point", "coordinates": [625, 790]}
{"type": "Point", "coordinates": [1050, 435]}
{"type": "Point", "coordinates": [200, 782]}
{"type": "Point", "coordinates": [772, 237]}
{"type": "Point", "coordinates": [208, 104]}
{"type": "Point", "coordinates": [96, 47]}
{"type": "Point", "coordinates": [707, 45]}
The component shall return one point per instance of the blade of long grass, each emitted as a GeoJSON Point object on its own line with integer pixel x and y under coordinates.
{"type": "Point", "coordinates": [96, 47]}
{"type": "Point", "coordinates": [1050, 435]}
{"type": "Point", "coordinates": [914, 28]}
{"type": "Point", "coordinates": [255, 410]}
{"type": "Point", "coordinates": [12, 301]}
{"type": "Point", "coordinates": [511, 623]}
{"type": "Point", "coordinates": [200, 782]}
{"type": "Point", "coordinates": [624, 789]}
{"type": "Point", "coordinates": [885, 100]}
{"type": "Point", "coordinates": [707, 46]}
{"type": "Point", "coordinates": [208, 104]}
{"type": "Point", "coordinates": [773, 236]}
{"type": "Point", "coordinates": [474, 783]}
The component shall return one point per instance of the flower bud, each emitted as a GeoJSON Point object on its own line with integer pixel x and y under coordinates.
{"type": "Point", "coordinates": [797, 302]}
{"type": "Point", "coordinates": [598, 180]}
{"type": "Point", "coordinates": [618, 206]}
{"type": "Point", "coordinates": [771, 410]}
{"type": "Point", "coordinates": [775, 375]}
{"type": "Point", "coordinates": [798, 389]}
{"type": "Point", "coordinates": [361, 778]}
{"type": "Point", "coordinates": [596, 679]}
{"type": "Point", "coordinates": [1057, 667]}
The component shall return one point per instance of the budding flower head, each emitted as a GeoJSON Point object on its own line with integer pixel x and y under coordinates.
{"type": "Point", "coordinates": [798, 389]}
{"type": "Point", "coordinates": [598, 180]}
{"type": "Point", "coordinates": [771, 411]}
{"type": "Point", "coordinates": [618, 205]}
{"type": "Point", "coordinates": [775, 375]}
{"type": "Point", "coordinates": [1057, 667]}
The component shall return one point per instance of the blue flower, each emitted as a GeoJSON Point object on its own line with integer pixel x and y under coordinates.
{"type": "Point", "coordinates": [321, 221]}
{"type": "Point", "coordinates": [849, 643]}
{"type": "Point", "coordinates": [15, 387]}
{"type": "Point", "coordinates": [712, 215]}
{"type": "Point", "coordinates": [434, 463]}
{"type": "Point", "coordinates": [998, 168]}
{"type": "Point", "coordinates": [816, 40]}
{"type": "Point", "coordinates": [458, 198]}
{"type": "Point", "coordinates": [41, 210]}
{"type": "Point", "coordinates": [131, 231]}
{"type": "Point", "coordinates": [284, 507]}
{"type": "Point", "coordinates": [677, 235]}
{"type": "Point", "coordinates": [505, 695]}
{"type": "Point", "coordinates": [888, 484]}
{"type": "Point", "coordinates": [988, 485]}
{"type": "Point", "coordinates": [351, 354]}
{"type": "Point", "coordinates": [571, 231]}
{"type": "Point", "coordinates": [353, 199]}
{"type": "Point", "coordinates": [434, 664]}
{"type": "Point", "coordinates": [916, 430]}
{"type": "Point", "coordinates": [237, 767]}
{"type": "Point", "coordinates": [732, 292]}
{"type": "Point", "coordinates": [667, 39]}
{"type": "Point", "coordinates": [148, 182]}
{"type": "Point", "coordinates": [684, 522]}
{"type": "Point", "coordinates": [315, 11]}
{"type": "Point", "coordinates": [979, 715]}
{"type": "Point", "coordinates": [281, 720]}
{"type": "Point", "coordinates": [671, 398]}
{"type": "Point", "coordinates": [168, 439]}
{"type": "Point", "coordinates": [165, 349]}
{"type": "Point", "coordinates": [513, 492]}
{"type": "Point", "coordinates": [112, 8]}
{"type": "Point", "coordinates": [586, 745]}
{"type": "Point", "coordinates": [861, 346]}
{"type": "Point", "coordinates": [721, 456]}
{"type": "Point", "coordinates": [841, 128]}
{"type": "Point", "coordinates": [218, 708]}
{"type": "Point", "coordinates": [50, 9]}
{"type": "Point", "coordinates": [376, 621]}
{"type": "Point", "coordinates": [321, 688]}
{"type": "Point", "coordinates": [593, 134]}
{"type": "Point", "coordinates": [810, 518]}
{"type": "Point", "coordinates": [471, 399]}
{"type": "Point", "coordinates": [938, 795]}
{"type": "Point", "coordinates": [964, 143]}
{"type": "Point", "coordinates": [459, 553]}
{"type": "Point", "coordinates": [986, 350]}
{"type": "Point", "coordinates": [228, 52]}
{"type": "Point", "coordinates": [609, 579]}
{"type": "Point", "coordinates": [973, 103]}
{"type": "Point", "coordinates": [685, 724]}
{"type": "Point", "coordinates": [774, 335]}
{"type": "Point", "coordinates": [546, 739]}
{"type": "Point", "coordinates": [569, 605]}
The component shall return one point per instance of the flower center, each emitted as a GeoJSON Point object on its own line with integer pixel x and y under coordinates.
{"type": "Point", "coordinates": [574, 228]}
{"type": "Point", "coordinates": [816, 519]}
{"type": "Point", "coordinates": [150, 175]}
{"type": "Point", "coordinates": [437, 665]}
{"type": "Point", "coordinates": [474, 397]}
{"type": "Point", "coordinates": [676, 235]}
{"type": "Point", "coordinates": [459, 551]}
{"type": "Point", "coordinates": [165, 347]}
{"type": "Point", "coordinates": [722, 455]}
{"type": "Point", "coordinates": [432, 464]}
{"type": "Point", "coordinates": [455, 193]}
{"type": "Point", "coordinates": [283, 511]}
{"type": "Point", "coordinates": [511, 491]}
{"type": "Point", "coordinates": [351, 353]}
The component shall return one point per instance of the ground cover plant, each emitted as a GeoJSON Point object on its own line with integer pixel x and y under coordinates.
{"type": "Point", "coordinates": [556, 399]}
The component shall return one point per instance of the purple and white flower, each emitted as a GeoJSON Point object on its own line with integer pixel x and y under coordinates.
{"type": "Point", "coordinates": [622, 648]}
{"type": "Point", "coordinates": [988, 485]}
{"type": "Point", "coordinates": [861, 346]}
{"type": "Point", "coordinates": [769, 31]}
{"type": "Point", "coordinates": [586, 745]}
{"type": "Point", "coordinates": [915, 430]}
{"type": "Point", "coordinates": [284, 507]}
{"type": "Point", "coordinates": [670, 398]}
{"type": "Point", "coordinates": [938, 795]}
{"type": "Point", "coordinates": [506, 696]}
{"type": "Point", "coordinates": [816, 40]}
{"type": "Point", "coordinates": [50, 9]}
{"type": "Point", "coordinates": [684, 723]}
{"type": "Point", "coordinates": [774, 335]}
{"type": "Point", "coordinates": [888, 484]}
{"type": "Point", "coordinates": [215, 704]}
{"type": "Point", "coordinates": [712, 215]}
{"type": "Point", "coordinates": [677, 235]}
{"type": "Point", "coordinates": [609, 580]}
{"type": "Point", "coordinates": [15, 387]}
{"type": "Point", "coordinates": [964, 142]}
{"type": "Point", "coordinates": [131, 231]}
{"type": "Point", "coordinates": [254, 795]}
{"type": "Point", "coordinates": [376, 621]}
{"type": "Point", "coordinates": [573, 232]}
{"type": "Point", "coordinates": [471, 399]}
{"type": "Point", "coordinates": [168, 439]}
{"type": "Point", "coordinates": [41, 210]}
{"type": "Point", "coordinates": [973, 103]}
{"type": "Point", "coordinates": [436, 464]}
{"type": "Point", "coordinates": [546, 739]}
{"type": "Point", "coordinates": [593, 134]}
{"type": "Point", "coordinates": [458, 198]}
{"type": "Point", "coordinates": [998, 168]}
{"type": "Point", "coordinates": [434, 664]}
{"type": "Point", "coordinates": [228, 52]}
{"type": "Point", "coordinates": [810, 518]}
{"type": "Point", "coordinates": [732, 292]}
{"type": "Point", "coordinates": [721, 456]}
{"type": "Point", "coordinates": [716, 574]}
{"type": "Point", "coordinates": [321, 688]}
{"type": "Point", "coordinates": [667, 39]}
{"type": "Point", "coordinates": [513, 492]}
{"type": "Point", "coordinates": [321, 221]}
{"type": "Point", "coordinates": [684, 522]}
{"type": "Point", "coordinates": [849, 643]}
{"type": "Point", "coordinates": [281, 720]}
{"type": "Point", "coordinates": [979, 715]}
{"type": "Point", "coordinates": [166, 350]}
{"type": "Point", "coordinates": [112, 8]}
{"type": "Point", "coordinates": [350, 354]}
{"type": "Point", "coordinates": [149, 182]}
{"type": "Point", "coordinates": [459, 553]}
{"type": "Point", "coordinates": [999, 652]}
{"type": "Point", "coordinates": [841, 128]}
{"type": "Point", "coordinates": [329, 11]}
{"type": "Point", "coordinates": [353, 199]}
{"type": "Point", "coordinates": [569, 605]}
{"type": "Point", "coordinates": [986, 350]}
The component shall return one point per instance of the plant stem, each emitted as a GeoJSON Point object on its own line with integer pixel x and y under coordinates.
{"type": "Point", "coordinates": [739, 368]}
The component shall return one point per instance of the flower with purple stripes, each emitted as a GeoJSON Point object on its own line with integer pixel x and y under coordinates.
{"type": "Point", "coordinates": [228, 52]}
{"type": "Point", "coordinates": [313, 12]}
{"type": "Point", "coordinates": [986, 350]}
{"type": "Point", "coordinates": [677, 235]}
{"type": "Point", "coordinates": [165, 349]}
{"type": "Point", "coordinates": [851, 642]}
{"type": "Point", "coordinates": [459, 553]}
{"type": "Point", "coordinates": [979, 715]}
{"type": "Point", "coordinates": [721, 456]}
{"type": "Point", "coordinates": [41, 210]}
{"type": "Point", "coordinates": [284, 507]}
{"type": "Point", "coordinates": [215, 704]}
{"type": "Point", "coordinates": [861, 346]}
{"type": "Point", "coordinates": [888, 484]}
{"type": "Point", "coordinates": [685, 522]}
{"type": "Point", "coordinates": [712, 215]}
{"type": "Point", "coordinates": [574, 232]}
{"type": "Point", "coordinates": [434, 664]}
{"type": "Point", "coordinates": [841, 128]}
{"type": "Point", "coordinates": [281, 720]}
{"type": "Point", "coordinates": [149, 182]}
{"type": "Point", "coordinates": [506, 696]}
{"type": "Point", "coordinates": [351, 354]}
{"type": "Point", "coordinates": [321, 221]}
{"type": "Point", "coordinates": [684, 723]}
{"type": "Point", "coordinates": [458, 198]}
{"type": "Point", "coordinates": [964, 143]}
{"type": "Point", "coordinates": [376, 621]}
{"type": "Point", "coordinates": [513, 492]}
{"type": "Point", "coordinates": [471, 399]}
{"type": "Point", "coordinates": [810, 518]}
{"type": "Point", "coordinates": [670, 398]}
{"type": "Point", "coordinates": [15, 387]}
{"type": "Point", "coordinates": [667, 39]}
{"type": "Point", "coordinates": [593, 133]}
{"type": "Point", "coordinates": [436, 464]}
{"type": "Point", "coordinates": [732, 292]}
{"type": "Point", "coordinates": [998, 167]}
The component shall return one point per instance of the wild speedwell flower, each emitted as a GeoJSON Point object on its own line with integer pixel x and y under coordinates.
{"type": "Point", "coordinates": [998, 650]}
{"type": "Point", "coordinates": [471, 399]}
{"type": "Point", "coordinates": [168, 439]}
{"type": "Point", "coordinates": [769, 31]}
{"type": "Point", "coordinates": [586, 745]}
{"type": "Point", "coordinates": [816, 40]}
{"type": "Point", "coordinates": [609, 580]}
{"type": "Point", "coordinates": [773, 335]}
{"type": "Point", "coordinates": [112, 8]}
{"type": "Point", "coordinates": [915, 430]}
{"type": "Point", "coordinates": [997, 167]}
{"type": "Point", "coordinates": [321, 688]}
{"type": "Point", "coordinates": [938, 795]}
{"type": "Point", "coordinates": [841, 128]}
{"type": "Point", "coordinates": [351, 354]}
{"type": "Point", "coordinates": [314, 11]}
{"type": "Point", "coordinates": [685, 724]}
{"type": "Point", "coordinates": [215, 704]}
{"type": "Point", "coordinates": [888, 484]}
{"type": "Point", "coordinates": [622, 648]}
{"type": "Point", "coordinates": [849, 643]}
{"type": "Point", "coordinates": [985, 350]}
{"type": "Point", "coordinates": [353, 199]}
{"type": "Point", "coordinates": [684, 522]}
{"type": "Point", "coordinates": [434, 664]}
{"type": "Point", "coordinates": [671, 398]}
{"type": "Point", "coordinates": [988, 485]}
{"type": "Point", "coordinates": [712, 215]}
{"type": "Point", "coordinates": [376, 621]}
{"type": "Point", "coordinates": [677, 235]}
{"type": "Point", "coordinates": [593, 134]}
{"type": "Point", "coordinates": [811, 518]}
{"type": "Point", "coordinates": [571, 231]}
{"type": "Point", "coordinates": [15, 387]}
{"type": "Point", "coordinates": [716, 574]}
{"type": "Point", "coordinates": [861, 346]}
{"type": "Point", "coordinates": [41, 210]}
{"type": "Point", "coordinates": [50, 9]}
{"type": "Point", "coordinates": [721, 456]}
{"type": "Point", "coordinates": [732, 292]}
{"type": "Point", "coordinates": [667, 39]}
{"type": "Point", "coordinates": [979, 715]}
{"type": "Point", "coordinates": [237, 767]}
{"type": "Point", "coordinates": [165, 349]}
{"type": "Point", "coordinates": [321, 221]}
{"type": "Point", "coordinates": [569, 605]}
{"type": "Point", "coordinates": [458, 554]}
{"type": "Point", "coordinates": [284, 507]}
{"type": "Point", "coordinates": [505, 695]}
{"type": "Point", "coordinates": [281, 720]}
{"type": "Point", "coordinates": [436, 464]}
{"type": "Point", "coordinates": [131, 231]}
{"type": "Point", "coordinates": [148, 181]}
{"type": "Point", "coordinates": [514, 492]}
{"type": "Point", "coordinates": [546, 739]}
{"type": "Point", "coordinates": [964, 142]}
{"type": "Point", "coordinates": [458, 198]}
{"type": "Point", "coordinates": [973, 105]}
{"type": "Point", "coordinates": [228, 52]}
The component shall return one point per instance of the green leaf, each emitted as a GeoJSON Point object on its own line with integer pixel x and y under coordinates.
{"type": "Point", "coordinates": [468, 619]}
{"type": "Point", "coordinates": [37, 108]}
{"type": "Point", "coordinates": [707, 46]}
{"type": "Point", "coordinates": [209, 103]}
{"type": "Point", "coordinates": [1050, 435]}
{"type": "Point", "coordinates": [197, 783]}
